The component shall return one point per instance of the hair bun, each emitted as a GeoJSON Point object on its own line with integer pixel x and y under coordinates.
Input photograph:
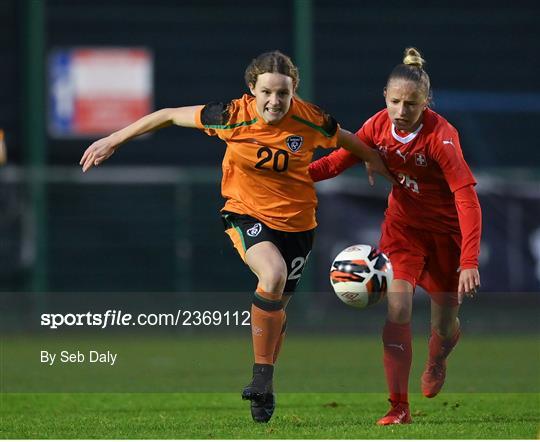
{"type": "Point", "coordinates": [413, 57]}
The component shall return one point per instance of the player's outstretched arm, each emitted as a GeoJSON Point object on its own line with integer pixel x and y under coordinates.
{"type": "Point", "coordinates": [332, 165]}
{"type": "Point", "coordinates": [103, 148]}
{"type": "Point", "coordinates": [356, 146]}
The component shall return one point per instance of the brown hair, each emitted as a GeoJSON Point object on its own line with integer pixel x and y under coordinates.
{"type": "Point", "coordinates": [412, 69]}
{"type": "Point", "coordinates": [274, 61]}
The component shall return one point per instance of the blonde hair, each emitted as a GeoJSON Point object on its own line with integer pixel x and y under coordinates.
{"type": "Point", "coordinates": [412, 57]}
{"type": "Point", "coordinates": [270, 62]}
{"type": "Point", "coordinates": [412, 69]}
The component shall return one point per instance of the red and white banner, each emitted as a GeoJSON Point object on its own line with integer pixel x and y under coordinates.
{"type": "Point", "coordinates": [95, 91]}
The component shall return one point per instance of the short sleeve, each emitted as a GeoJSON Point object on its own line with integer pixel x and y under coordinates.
{"type": "Point", "coordinates": [324, 127]}
{"type": "Point", "coordinates": [330, 128]}
{"type": "Point", "coordinates": [330, 125]}
{"type": "Point", "coordinates": [213, 117]}
{"type": "Point", "coordinates": [365, 133]}
{"type": "Point", "coordinates": [447, 152]}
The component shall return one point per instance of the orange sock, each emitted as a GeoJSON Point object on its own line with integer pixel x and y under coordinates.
{"type": "Point", "coordinates": [267, 317]}
{"type": "Point", "coordinates": [281, 337]}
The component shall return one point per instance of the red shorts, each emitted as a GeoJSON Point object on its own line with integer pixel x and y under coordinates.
{"type": "Point", "coordinates": [430, 260]}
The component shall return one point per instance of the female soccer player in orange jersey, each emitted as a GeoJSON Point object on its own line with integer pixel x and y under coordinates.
{"type": "Point", "coordinates": [269, 212]}
{"type": "Point", "coordinates": [431, 229]}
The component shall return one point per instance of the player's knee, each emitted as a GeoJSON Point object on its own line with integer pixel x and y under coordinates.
{"type": "Point", "coordinates": [399, 313]}
{"type": "Point", "coordinates": [399, 299]}
{"type": "Point", "coordinates": [273, 279]}
{"type": "Point", "coordinates": [446, 329]}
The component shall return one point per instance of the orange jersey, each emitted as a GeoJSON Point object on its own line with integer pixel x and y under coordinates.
{"type": "Point", "coordinates": [265, 168]}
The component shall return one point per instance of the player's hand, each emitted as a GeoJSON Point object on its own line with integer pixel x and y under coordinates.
{"type": "Point", "coordinates": [469, 283]}
{"type": "Point", "coordinates": [98, 152]}
{"type": "Point", "coordinates": [376, 165]}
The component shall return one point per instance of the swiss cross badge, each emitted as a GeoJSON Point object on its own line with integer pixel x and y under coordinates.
{"type": "Point", "coordinates": [420, 159]}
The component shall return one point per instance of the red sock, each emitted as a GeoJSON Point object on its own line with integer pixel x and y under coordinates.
{"type": "Point", "coordinates": [439, 347]}
{"type": "Point", "coordinates": [397, 343]}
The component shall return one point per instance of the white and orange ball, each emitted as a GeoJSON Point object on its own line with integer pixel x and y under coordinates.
{"type": "Point", "coordinates": [361, 275]}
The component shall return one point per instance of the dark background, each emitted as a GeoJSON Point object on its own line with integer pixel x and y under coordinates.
{"type": "Point", "coordinates": [201, 49]}
{"type": "Point", "coordinates": [137, 235]}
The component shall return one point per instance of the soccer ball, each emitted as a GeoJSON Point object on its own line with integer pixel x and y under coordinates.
{"type": "Point", "coordinates": [361, 275]}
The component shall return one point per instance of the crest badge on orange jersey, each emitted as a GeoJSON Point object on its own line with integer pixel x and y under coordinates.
{"type": "Point", "coordinates": [294, 142]}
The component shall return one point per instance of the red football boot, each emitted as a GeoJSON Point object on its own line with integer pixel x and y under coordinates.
{"type": "Point", "coordinates": [433, 378]}
{"type": "Point", "coordinates": [398, 414]}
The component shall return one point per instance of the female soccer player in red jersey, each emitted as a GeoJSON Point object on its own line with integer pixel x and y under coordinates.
{"type": "Point", "coordinates": [269, 212]}
{"type": "Point", "coordinates": [431, 229]}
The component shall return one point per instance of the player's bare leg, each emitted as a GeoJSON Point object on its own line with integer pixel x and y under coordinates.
{"type": "Point", "coordinates": [397, 343]}
{"type": "Point", "coordinates": [267, 318]}
{"type": "Point", "coordinates": [444, 336]}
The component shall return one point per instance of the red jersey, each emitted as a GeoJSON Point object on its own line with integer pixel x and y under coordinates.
{"type": "Point", "coordinates": [429, 166]}
{"type": "Point", "coordinates": [435, 192]}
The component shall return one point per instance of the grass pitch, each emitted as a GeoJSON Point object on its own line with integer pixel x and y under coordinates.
{"type": "Point", "coordinates": [298, 416]}
{"type": "Point", "coordinates": [328, 387]}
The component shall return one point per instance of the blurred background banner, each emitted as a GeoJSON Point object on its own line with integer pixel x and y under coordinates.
{"type": "Point", "coordinates": [148, 220]}
{"type": "Point", "coordinates": [94, 91]}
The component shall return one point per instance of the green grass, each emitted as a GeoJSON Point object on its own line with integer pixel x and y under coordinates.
{"type": "Point", "coordinates": [153, 364]}
{"type": "Point", "coordinates": [298, 416]}
{"type": "Point", "coordinates": [329, 387]}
